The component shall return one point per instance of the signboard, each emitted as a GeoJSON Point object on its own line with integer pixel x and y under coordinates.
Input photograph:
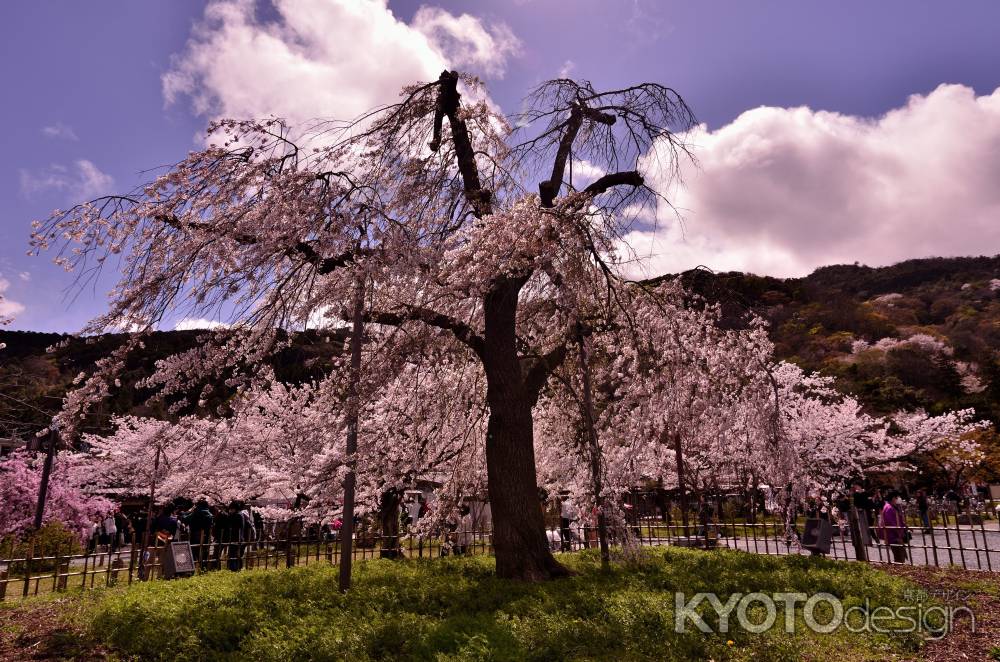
{"type": "Point", "coordinates": [995, 492]}
{"type": "Point", "coordinates": [177, 560]}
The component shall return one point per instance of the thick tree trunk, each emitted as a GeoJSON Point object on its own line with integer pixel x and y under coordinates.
{"type": "Point", "coordinates": [519, 542]}
{"type": "Point", "coordinates": [389, 521]}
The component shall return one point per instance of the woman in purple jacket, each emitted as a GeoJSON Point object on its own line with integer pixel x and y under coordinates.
{"type": "Point", "coordinates": [893, 527]}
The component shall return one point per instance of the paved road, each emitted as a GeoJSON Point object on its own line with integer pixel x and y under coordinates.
{"type": "Point", "coordinates": [964, 548]}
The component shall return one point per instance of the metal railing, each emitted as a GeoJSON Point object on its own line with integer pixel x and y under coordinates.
{"type": "Point", "coordinates": [963, 537]}
{"type": "Point", "coordinates": [27, 574]}
{"type": "Point", "coordinates": [951, 534]}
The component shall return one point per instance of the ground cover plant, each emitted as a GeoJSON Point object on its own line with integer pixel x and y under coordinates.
{"type": "Point", "coordinates": [458, 609]}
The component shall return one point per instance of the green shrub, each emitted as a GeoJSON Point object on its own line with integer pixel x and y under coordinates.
{"type": "Point", "coordinates": [50, 540]}
{"type": "Point", "coordinates": [456, 609]}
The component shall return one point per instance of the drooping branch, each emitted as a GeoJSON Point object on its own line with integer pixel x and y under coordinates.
{"type": "Point", "coordinates": [462, 331]}
{"type": "Point", "coordinates": [323, 265]}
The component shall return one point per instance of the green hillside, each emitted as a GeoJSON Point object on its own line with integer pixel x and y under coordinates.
{"type": "Point", "coordinates": [921, 333]}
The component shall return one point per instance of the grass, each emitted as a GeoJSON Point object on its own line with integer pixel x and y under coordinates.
{"type": "Point", "coordinates": [456, 609]}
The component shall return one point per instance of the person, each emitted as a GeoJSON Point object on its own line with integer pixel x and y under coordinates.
{"type": "Point", "coordinates": [843, 504]}
{"type": "Point", "coordinates": [138, 527]}
{"type": "Point", "coordinates": [892, 527]}
{"type": "Point", "coordinates": [877, 504]}
{"type": "Point", "coordinates": [199, 521]}
{"type": "Point", "coordinates": [464, 534]}
{"type": "Point", "coordinates": [233, 533]}
{"type": "Point", "coordinates": [956, 500]}
{"type": "Point", "coordinates": [414, 508]}
{"type": "Point", "coordinates": [258, 525]}
{"type": "Point", "coordinates": [220, 535]}
{"type": "Point", "coordinates": [567, 513]}
{"type": "Point", "coordinates": [95, 535]}
{"type": "Point", "coordinates": [109, 529]}
{"type": "Point", "coordinates": [705, 512]}
{"type": "Point", "coordinates": [124, 526]}
{"type": "Point", "coordinates": [165, 524]}
{"type": "Point", "coordinates": [924, 507]}
{"type": "Point", "coordinates": [249, 525]}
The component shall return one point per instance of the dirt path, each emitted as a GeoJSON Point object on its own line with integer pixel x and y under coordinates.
{"type": "Point", "coordinates": [980, 592]}
{"type": "Point", "coordinates": [41, 631]}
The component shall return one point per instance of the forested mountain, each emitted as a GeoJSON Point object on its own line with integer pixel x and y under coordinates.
{"type": "Point", "coordinates": [36, 370]}
{"type": "Point", "coordinates": [921, 333]}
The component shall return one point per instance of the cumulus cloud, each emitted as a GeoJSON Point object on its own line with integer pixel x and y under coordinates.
{"type": "Point", "coordinates": [322, 58]}
{"type": "Point", "coordinates": [81, 181]}
{"type": "Point", "coordinates": [8, 309]}
{"type": "Point", "coordinates": [189, 323]}
{"type": "Point", "coordinates": [465, 42]}
{"type": "Point", "coordinates": [59, 131]}
{"type": "Point", "coordinates": [584, 172]}
{"type": "Point", "coordinates": [781, 191]}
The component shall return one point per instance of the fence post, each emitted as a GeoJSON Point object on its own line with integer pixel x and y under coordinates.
{"type": "Point", "coordinates": [62, 570]}
{"type": "Point", "coordinates": [116, 566]}
{"type": "Point", "coordinates": [859, 530]}
{"type": "Point", "coordinates": [986, 543]}
{"type": "Point", "coordinates": [131, 558]}
{"type": "Point", "coordinates": [27, 567]}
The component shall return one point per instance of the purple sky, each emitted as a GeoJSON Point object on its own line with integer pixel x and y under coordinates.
{"type": "Point", "coordinates": [859, 153]}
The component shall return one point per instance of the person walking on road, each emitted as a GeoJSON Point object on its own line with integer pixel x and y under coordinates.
{"type": "Point", "coordinates": [924, 506]}
{"type": "Point", "coordinates": [892, 527]}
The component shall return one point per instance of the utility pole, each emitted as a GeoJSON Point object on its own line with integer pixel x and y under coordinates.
{"type": "Point", "coordinates": [149, 515]}
{"type": "Point", "coordinates": [353, 407]}
{"type": "Point", "coordinates": [43, 487]}
{"type": "Point", "coordinates": [595, 450]}
{"type": "Point", "coordinates": [680, 482]}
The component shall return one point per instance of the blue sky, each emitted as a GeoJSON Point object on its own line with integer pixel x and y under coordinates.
{"type": "Point", "coordinates": [833, 132]}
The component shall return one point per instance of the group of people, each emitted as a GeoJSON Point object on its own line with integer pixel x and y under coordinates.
{"type": "Point", "coordinates": [883, 514]}
{"type": "Point", "coordinates": [112, 530]}
{"type": "Point", "coordinates": [210, 530]}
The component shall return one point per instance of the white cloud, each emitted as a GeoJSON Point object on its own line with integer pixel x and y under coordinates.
{"type": "Point", "coordinates": [584, 172]}
{"type": "Point", "coordinates": [81, 182]}
{"type": "Point", "coordinates": [781, 191]}
{"type": "Point", "coordinates": [567, 68]}
{"type": "Point", "coordinates": [465, 42]}
{"type": "Point", "coordinates": [25, 276]}
{"type": "Point", "coordinates": [8, 309]}
{"type": "Point", "coordinates": [189, 323]}
{"type": "Point", "coordinates": [59, 130]}
{"type": "Point", "coordinates": [322, 58]}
